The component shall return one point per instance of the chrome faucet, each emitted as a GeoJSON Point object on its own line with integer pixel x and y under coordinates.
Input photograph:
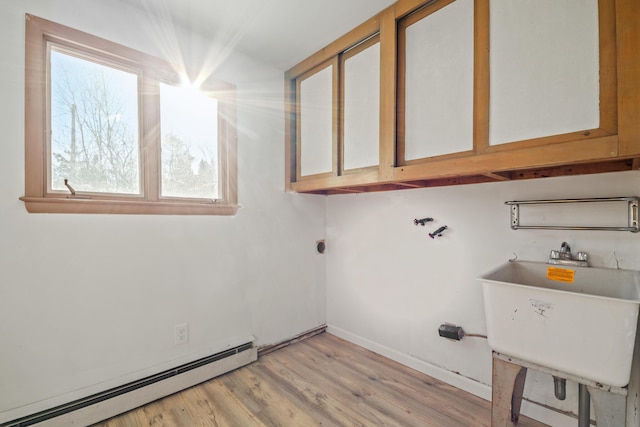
{"type": "Point", "coordinates": [565, 251]}
{"type": "Point", "coordinates": [564, 257]}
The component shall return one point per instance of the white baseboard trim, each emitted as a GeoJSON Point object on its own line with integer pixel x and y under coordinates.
{"type": "Point", "coordinates": [529, 409]}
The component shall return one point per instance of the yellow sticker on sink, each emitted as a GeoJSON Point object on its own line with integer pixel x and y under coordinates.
{"type": "Point", "coordinates": [560, 274]}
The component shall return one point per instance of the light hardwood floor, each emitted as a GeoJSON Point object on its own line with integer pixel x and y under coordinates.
{"type": "Point", "coordinates": [320, 381]}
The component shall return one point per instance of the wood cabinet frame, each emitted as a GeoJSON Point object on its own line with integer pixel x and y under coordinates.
{"type": "Point", "coordinates": [335, 119]}
{"type": "Point", "coordinates": [293, 77]}
{"type": "Point", "coordinates": [607, 66]}
{"type": "Point", "coordinates": [613, 146]}
{"type": "Point", "coordinates": [403, 24]}
{"type": "Point", "coordinates": [369, 42]}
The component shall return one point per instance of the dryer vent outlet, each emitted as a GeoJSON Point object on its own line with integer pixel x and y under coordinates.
{"type": "Point", "coordinates": [451, 331]}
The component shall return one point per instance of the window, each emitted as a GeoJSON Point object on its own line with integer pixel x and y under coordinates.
{"type": "Point", "coordinates": [111, 130]}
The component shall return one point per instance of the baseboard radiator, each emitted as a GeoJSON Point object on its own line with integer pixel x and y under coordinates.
{"type": "Point", "coordinates": [104, 405]}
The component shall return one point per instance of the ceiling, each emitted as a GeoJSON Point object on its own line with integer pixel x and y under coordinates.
{"type": "Point", "coordinates": [278, 32]}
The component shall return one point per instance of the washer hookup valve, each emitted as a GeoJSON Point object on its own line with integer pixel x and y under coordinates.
{"type": "Point", "coordinates": [422, 221]}
{"type": "Point", "coordinates": [438, 232]}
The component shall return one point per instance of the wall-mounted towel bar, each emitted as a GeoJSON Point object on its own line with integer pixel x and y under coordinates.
{"type": "Point", "coordinates": [632, 214]}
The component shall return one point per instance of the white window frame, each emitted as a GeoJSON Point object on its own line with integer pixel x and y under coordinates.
{"type": "Point", "coordinates": [40, 34]}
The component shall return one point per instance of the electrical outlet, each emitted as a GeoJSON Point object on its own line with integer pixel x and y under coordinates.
{"type": "Point", "coordinates": [181, 333]}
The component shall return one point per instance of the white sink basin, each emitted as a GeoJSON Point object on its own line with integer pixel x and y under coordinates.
{"type": "Point", "coordinates": [578, 320]}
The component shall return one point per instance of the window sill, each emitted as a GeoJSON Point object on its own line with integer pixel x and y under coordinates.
{"type": "Point", "coordinates": [126, 207]}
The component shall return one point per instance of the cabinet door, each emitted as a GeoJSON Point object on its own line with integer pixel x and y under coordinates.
{"type": "Point", "coordinates": [317, 121]}
{"type": "Point", "coordinates": [361, 106]}
{"type": "Point", "coordinates": [544, 63]}
{"type": "Point", "coordinates": [435, 78]}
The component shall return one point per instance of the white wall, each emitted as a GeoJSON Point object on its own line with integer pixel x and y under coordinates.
{"type": "Point", "coordinates": [389, 286]}
{"type": "Point", "coordinates": [90, 301]}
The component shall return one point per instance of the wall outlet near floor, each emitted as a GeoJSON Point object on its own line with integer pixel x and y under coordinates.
{"type": "Point", "coordinates": [181, 333]}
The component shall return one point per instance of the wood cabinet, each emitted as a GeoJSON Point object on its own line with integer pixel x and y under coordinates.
{"type": "Point", "coordinates": [545, 67]}
{"type": "Point", "coordinates": [338, 114]}
{"type": "Point", "coordinates": [318, 121]}
{"type": "Point", "coordinates": [449, 92]}
{"type": "Point", "coordinates": [360, 107]}
{"type": "Point", "coordinates": [435, 82]}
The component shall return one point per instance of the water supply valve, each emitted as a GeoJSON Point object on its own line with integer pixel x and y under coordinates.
{"type": "Point", "coordinates": [438, 232]}
{"type": "Point", "coordinates": [422, 221]}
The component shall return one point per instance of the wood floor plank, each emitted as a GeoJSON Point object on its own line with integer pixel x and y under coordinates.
{"type": "Point", "coordinates": [343, 403]}
{"type": "Point", "coordinates": [197, 410]}
{"type": "Point", "coordinates": [404, 387]}
{"type": "Point", "coordinates": [225, 406]}
{"type": "Point", "coordinates": [320, 381]}
{"type": "Point", "coordinates": [375, 375]}
{"type": "Point", "coordinates": [271, 403]}
{"type": "Point", "coordinates": [362, 391]}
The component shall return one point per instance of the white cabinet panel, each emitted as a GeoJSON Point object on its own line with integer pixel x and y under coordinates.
{"type": "Point", "coordinates": [439, 82]}
{"type": "Point", "coordinates": [362, 108]}
{"type": "Point", "coordinates": [316, 123]}
{"type": "Point", "coordinates": [544, 68]}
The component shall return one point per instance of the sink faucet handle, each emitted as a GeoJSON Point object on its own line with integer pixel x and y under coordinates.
{"type": "Point", "coordinates": [583, 256]}
{"type": "Point", "coordinates": [554, 254]}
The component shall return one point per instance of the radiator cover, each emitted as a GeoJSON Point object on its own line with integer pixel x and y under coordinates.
{"type": "Point", "coordinates": [106, 404]}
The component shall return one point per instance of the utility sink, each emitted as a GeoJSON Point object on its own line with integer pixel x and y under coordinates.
{"type": "Point", "coordinates": [578, 320]}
